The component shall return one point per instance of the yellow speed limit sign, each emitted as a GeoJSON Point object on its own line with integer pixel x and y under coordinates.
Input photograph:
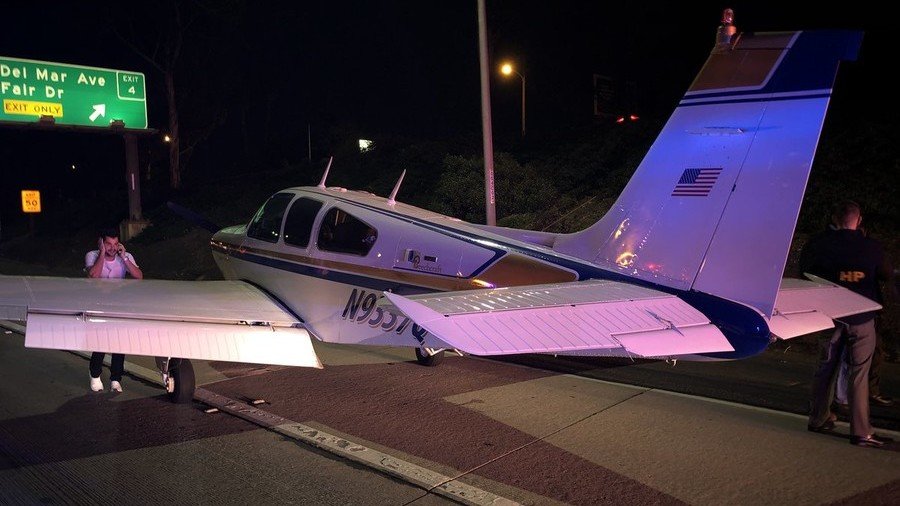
{"type": "Point", "coordinates": [31, 201]}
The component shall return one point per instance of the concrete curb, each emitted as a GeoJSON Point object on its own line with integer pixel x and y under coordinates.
{"type": "Point", "coordinates": [408, 472]}
{"type": "Point", "coordinates": [12, 326]}
{"type": "Point", "coordinates": [384, 463]}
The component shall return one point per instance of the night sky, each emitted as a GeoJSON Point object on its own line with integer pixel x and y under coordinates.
{"type": "Point", "coordinates": [269, 69]}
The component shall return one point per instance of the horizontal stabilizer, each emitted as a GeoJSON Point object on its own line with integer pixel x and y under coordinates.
{"type": "Point", "coordinates": [672, 342]}
{"type": "Point", "coordinates": [564, 317]}
{"type": "Point", "coordinates": [787, 326]}
{"type": "Point", "coordinates": [804, 306]}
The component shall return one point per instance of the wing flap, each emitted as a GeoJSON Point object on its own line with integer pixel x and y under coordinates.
{"type": "Point", "coordinates": [207, 320]}
{"type": "Point", "coordinates": [809, 306]}
{"type": "Point", "coordinates": [204, 341]}
{"type": "Point", "coordinates": [564, 317]}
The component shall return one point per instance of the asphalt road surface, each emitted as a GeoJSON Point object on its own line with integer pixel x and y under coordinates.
{"type": "Point", "coordinates": [62, 444]}
{"type": "Point", "coordinates": [551, 431]}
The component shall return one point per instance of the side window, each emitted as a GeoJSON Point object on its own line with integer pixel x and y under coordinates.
{"type": "Point", "coordinates": [342, 233]}
{"type": "Point", "coordinates": [299, 222]}
{"type": "Point", "coordinates": [266, 223]}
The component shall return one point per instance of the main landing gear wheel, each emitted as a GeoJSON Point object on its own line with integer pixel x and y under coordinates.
{"type": "Point", "coordinates": [178, 378]}
{"type": "Point", "coordinates": [429, 360]}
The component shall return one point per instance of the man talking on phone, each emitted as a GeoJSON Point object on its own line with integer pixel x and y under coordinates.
{"type": "Point", "coordinates": [109, 260]}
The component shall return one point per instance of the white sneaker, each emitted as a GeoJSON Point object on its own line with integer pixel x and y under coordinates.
{"type": "Point", "coordinates": [114, 386]}
{"type": "Point", "coordinates": [96, 384]}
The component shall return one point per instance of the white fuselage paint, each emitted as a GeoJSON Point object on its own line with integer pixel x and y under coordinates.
{"type": "Point", "coordinates": [337, 294]}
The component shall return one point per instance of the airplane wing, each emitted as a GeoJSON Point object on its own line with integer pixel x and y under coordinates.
{"type": "Point", "coordinates": [582, 316]}
{"type": "Point", "coordinates": [810, 306]}
{"type": "Point", "coordinates": [208, 320]}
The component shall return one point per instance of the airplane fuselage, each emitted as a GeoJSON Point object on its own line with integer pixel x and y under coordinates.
{"type": "Point", "coordinates": [329, 254]}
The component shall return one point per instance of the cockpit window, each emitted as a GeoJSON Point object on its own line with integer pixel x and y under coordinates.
{"type": "Point", "coordinates": [299, 223]}
{"type": "Point", "coordinates": [342, 233]}
{"type": "Point", "coordinates": [266, 223]}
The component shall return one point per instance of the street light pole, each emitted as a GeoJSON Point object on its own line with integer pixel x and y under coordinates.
{"type": "Point", "coordinates": [487, 137]}
{"type": "Point", "coordinates": [523, 102]}
{"type": "Point", "coordinates": [506, 70]}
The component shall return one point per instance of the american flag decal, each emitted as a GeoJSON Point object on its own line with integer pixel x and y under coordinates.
{"type": "Point", "coordinates": [696, 182]}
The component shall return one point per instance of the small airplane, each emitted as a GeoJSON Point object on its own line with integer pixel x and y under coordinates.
{"type": "Point", "coordinates": [687, 264]}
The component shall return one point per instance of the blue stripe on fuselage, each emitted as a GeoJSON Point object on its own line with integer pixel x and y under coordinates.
{"type": "Point", "coordinates": [744, 328]}
{"type": "Point", "coordinates": [329, 274]}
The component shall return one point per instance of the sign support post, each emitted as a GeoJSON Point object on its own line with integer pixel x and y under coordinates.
{"type": "Point", "coordinates": [135, 222]}
{"type": "Point", "coordinates": [63, 96]}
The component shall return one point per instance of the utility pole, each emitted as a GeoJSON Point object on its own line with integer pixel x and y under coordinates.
{"type": "Point", "coordinates": [486, 133]}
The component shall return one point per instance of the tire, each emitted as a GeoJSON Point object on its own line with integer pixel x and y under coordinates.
{"type": "Point", "coordinates": [183, 376]}
{"type": "Point", "coordinates": [429, 360]}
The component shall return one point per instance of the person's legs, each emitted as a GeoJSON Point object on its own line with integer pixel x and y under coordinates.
{"type": "Point", "coordinates": [830, 352]}
{"type": "Point", "coordinates": [874, 377]}
{"type": "Point", "coordinates": [875, 396]}
{"type": "Point", "coordinates": [96, 364]}
{"type": "Point", "coordinates": [862, 345]}
{"type": "Point", "coordinates": [116, 367]}
{"type": "Point", "coordinates": [840, 386]}
{"type": "Point", "coordinates": [96, 368]}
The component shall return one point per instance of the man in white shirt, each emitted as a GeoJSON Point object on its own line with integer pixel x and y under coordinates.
{"type": "Point", "coordinates": [109, 260]}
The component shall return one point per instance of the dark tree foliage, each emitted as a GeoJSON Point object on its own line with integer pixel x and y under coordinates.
{"type": "Point", "coordinates": [191, 46]}
{"type": "Point", "coordinates": [520, 191]}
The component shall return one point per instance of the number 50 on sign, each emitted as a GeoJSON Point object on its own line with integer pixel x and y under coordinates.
{"type": "Point", "coordinates": [31, 201]}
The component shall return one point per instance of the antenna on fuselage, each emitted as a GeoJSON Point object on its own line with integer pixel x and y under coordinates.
{"type": "Point", "coordinates": [325, 175]}
{"type": "Point", "coordinates": [391, 200]}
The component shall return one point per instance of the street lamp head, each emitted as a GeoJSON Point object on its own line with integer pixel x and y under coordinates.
{"type": "Point", "coordinates": [506, 69]}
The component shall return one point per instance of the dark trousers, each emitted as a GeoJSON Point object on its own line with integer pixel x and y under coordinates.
{"type": "Point", "coordinates": [840, 388]}
{"type": "Point", "coordinates": [861, 342]}
{"type": "Point", "coordinates": [116, 366]}
{"type": "Point", "coordinates": [874, 371]}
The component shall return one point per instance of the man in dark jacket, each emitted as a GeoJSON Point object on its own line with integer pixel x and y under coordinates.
{"type": "Point", "coordinates": [847, 257]}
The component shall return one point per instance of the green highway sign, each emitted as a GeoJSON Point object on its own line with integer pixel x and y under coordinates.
{"type": "Point", "coordinates": [71, 94]}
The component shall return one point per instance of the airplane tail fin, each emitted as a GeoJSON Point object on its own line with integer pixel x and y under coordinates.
{"type": "Point", "coordinates": [713, 205]}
